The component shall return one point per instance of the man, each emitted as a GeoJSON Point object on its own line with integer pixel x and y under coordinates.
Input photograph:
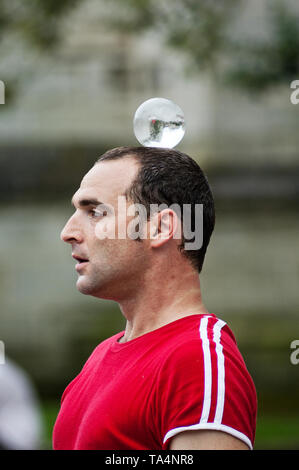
{"type": "Point", "coordinates": [174, 379]}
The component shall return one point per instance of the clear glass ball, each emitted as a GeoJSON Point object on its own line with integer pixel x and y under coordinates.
{"type": "Point", "coordinates": [158, 122]}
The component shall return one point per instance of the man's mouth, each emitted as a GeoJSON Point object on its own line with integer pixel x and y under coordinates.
{"type": "Point", "coordinates": [82, 262]}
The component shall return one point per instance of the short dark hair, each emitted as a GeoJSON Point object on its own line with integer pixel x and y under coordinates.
{"type": "Point", "coordinates": [170, 177]}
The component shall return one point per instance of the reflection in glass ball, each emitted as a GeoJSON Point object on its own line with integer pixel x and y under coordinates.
{"type": "Point", "coordinates": [159, 122]}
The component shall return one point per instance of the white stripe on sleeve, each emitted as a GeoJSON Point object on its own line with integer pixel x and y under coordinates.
{"type": "Point", "coordinates": [221, 372]}
{"type": "Point", "coordinates": [208, 384]}
{"type": "Point", "coordinates": [203, 331]}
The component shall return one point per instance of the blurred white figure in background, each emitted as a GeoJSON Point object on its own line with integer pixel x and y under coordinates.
{"type": "Point", "coordinates": [20, 420]}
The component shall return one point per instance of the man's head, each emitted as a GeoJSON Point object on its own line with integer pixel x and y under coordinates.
{"type": "Point", "coordinates": [170, 177]}
{"type": "Point", "coordinates": [145, 176]}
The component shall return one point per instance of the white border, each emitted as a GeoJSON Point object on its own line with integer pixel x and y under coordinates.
{"type": "Point", "coordinates": [214, 426]}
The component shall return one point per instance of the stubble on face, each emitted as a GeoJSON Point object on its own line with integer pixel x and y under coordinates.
{"type": "Point", "coordinates": [115, 266]}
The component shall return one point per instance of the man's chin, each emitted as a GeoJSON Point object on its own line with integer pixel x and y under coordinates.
{"type": "Point", "coordinates": [85, 287]}
{"type": "Point", "coordinates": [99, 290]}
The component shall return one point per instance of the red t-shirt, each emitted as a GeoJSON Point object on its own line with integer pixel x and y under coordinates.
{"type": "Point", "coordinates": [188, 374]}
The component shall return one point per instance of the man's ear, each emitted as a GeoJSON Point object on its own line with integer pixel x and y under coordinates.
{"type": "Point", "coordinates": [163, 227]}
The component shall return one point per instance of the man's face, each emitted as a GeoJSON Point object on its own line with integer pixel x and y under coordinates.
{"type": "Point", "coordinates": [107, 267]}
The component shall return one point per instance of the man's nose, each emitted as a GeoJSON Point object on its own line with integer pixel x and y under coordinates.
{"type": "Point", "coordinates": [71, 232]}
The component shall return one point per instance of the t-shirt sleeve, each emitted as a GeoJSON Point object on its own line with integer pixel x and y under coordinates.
{"type": "Point", "coordinates": [204, 384]}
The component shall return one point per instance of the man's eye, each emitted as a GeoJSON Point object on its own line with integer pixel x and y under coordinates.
{"type": "Point", "coordinates": [94, 213]}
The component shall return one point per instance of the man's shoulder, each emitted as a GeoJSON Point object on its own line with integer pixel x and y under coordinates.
{"type": "Point", "coordinates": [199, 336]}
{"type": "Point", "coordinates": [194, 330]}
{"type": "Point", "coordinates": [203, 348]}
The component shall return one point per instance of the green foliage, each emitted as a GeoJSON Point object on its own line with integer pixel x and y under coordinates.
{"type": "Point", "coordinates": [261, 64]}
{"type": "Point", "coordinates": [36, 21]}
{"type": "Point", "coordinates": [193, 27]}
{"type": "Point", "coordinates": [277, 432]}
{"type": "Point", "coordinates": [202, 30]}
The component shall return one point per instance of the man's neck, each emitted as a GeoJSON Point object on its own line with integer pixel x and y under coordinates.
{"type": "Point", "coordinates": [155, 306]}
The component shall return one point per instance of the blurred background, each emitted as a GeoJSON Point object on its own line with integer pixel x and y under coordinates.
{"type": "Point", "coordinates": [74, 74]}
